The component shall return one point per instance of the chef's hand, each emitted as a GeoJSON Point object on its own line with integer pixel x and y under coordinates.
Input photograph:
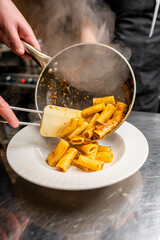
{"type": "Point", "coordinates": [14, 27]}
{"type": "Point", "coordinates": [89, 31]}
{"type": "Point", "coordinates": [7, 113]}
{"type": "Point", "coordinates": [12, 226]}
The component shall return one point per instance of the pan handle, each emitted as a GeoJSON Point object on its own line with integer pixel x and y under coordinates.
{"type": "Point", "coordinates": [37, 55]}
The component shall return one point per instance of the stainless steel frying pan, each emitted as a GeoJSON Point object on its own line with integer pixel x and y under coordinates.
{"type": "Point", "coordinates": [80, 72]}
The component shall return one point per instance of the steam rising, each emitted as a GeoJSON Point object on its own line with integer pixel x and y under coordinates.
{"type": "Point", "coordinates": [58, 23]}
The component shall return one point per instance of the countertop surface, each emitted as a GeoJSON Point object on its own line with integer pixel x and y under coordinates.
{"type": "Point", "coordinates": [129, 209]}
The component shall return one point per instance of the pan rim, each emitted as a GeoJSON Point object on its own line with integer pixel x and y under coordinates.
{"type": "Point", "coordinates": [98, 44]}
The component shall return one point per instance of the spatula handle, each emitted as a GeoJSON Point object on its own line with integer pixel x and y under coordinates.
{"type": "Point", "coordinates": [25, 109]}
{"type": "Point", "coordinates": [23, 123]}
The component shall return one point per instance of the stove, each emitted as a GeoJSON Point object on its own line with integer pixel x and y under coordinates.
{"type": "Point", "coordinates": [20, 80]}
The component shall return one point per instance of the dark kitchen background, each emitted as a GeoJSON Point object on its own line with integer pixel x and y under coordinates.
{"type": "Point", "coordinates": [52, 23]}
{"type": "Point", "coordinates": [56, 24]}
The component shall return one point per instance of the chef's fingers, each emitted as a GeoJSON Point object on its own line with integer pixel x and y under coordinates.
{"type": "Point", "coordinates": [7, 113]}
{"type": "Point", "coordinates": [3, 233]}
{"type": "Point", "coordinates": [9, 225]}
{"type": "Point", "coordinates": [4, 38]}
{"type": "Point", "coordinates": [15, 41]}
{"type": "Point", "coordinates": [12, 226]}
{"type": "Point", "coordinates": [26, 33]}
{"type": "Point", "coordinates": [11, 38]}
{"type": "Point", "coordinates": [23, 221]}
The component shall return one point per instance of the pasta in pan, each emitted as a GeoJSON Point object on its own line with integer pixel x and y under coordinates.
{"type": "Point", "coordinates": [70, 127]}
{"type": "Point", "coordinates": [78, 146]}
{"type": "Point", "coordinates": [106, 100]}
{"type": "Point", "coordinates": [78, 140]}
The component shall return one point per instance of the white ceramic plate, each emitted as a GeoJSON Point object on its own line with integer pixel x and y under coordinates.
{"type": "Point", "coordinates": [27, 152]}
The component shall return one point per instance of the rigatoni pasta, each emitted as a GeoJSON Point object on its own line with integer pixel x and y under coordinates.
{"type": "Point", "coordinates": [78, 140]}
{"type": "Point", "coordinates": [105, 156]}
{"type": "Point", "coordinates": [104, 148]}
{"type": "Point", "coordinates": [88, 133]}
{"type": "Point", "coordinates": [57, 153]}
{"type": "Point", "coordinates": [88, 148]}
{"type": "Point", "coordinates": [93, 109]}
{"type": "Point", "coordinates": [102, 130]}
{"type": "Point", "coordinates": [106, 100]}
{"type": "Point", "coordinates": [92, 122]}
{"type": "Point", "coordinates": [80, 128]}
{"type": "Point", "coordinates": [70, 127]}
{"type": "Point", "coordinates": [75, 162]}
{"type": "Point", "coordinates": [119, 111]}
{"type": "Point", "coordinates": [79, 146]}
{"type": "Point", "coordinates": [90, 163]}
{"type": "Point", "coordinates": [66, 160]}
{"type": "Point", "coordinates": [106, 114]}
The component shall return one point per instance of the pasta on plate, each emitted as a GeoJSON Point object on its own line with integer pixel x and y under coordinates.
{"type": "Point", "coordinates": [79, 146]}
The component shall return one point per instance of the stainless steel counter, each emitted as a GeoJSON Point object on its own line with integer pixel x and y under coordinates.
{"type": "Point", "coordinates": [127, 210]}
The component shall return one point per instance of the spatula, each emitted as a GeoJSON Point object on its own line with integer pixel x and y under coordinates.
{"type": "Point", "coordinates": [54, 118]}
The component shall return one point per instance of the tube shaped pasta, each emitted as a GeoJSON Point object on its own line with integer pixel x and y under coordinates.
{"type": "Point", "coordinates": [105, 156]}
{"type": "Point", "coordinates": [93, 120]}
{"type": "Point", "coordinates": [49, 158]}
{"type": "Point", "coordinates": [79, 140]}
{"type": "Point", "coordinates": [106, 100]}
{"type": "Point", "coordinates": [88, 148]}
{"type": "Point", "coordinates": [103, 148]}
{"type": "Point", "coordinates": [90, 163]}
{"type": "Point", "coordinates": [103, 129]}
{"type": "Point", "coordinates": [74, 162]}
{"type": "Point", "coordinates": [120, 111]}
{"type": "Point", "coordinates": [70, 127]}
{"type": "Point", "coordinates": [88, 133]}
{"type": "Point", "coordinates": [66, 160]}
{"type": "Point", "coordinates": [106, 114]}
{"type": "Point", "coordinates": [92, 155]}
{"type": "Point", "coordinates": [93, 109]}
{"type": "Point", "coordinates": [80, 128]}
{"type": "Point", "coordinates": [57, 153]}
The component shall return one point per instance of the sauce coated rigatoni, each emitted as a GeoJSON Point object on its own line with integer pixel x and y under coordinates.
{"type": "Point", "coordinates": [57, 153]}
{"type": "Point", "coordinates": [78, 146]}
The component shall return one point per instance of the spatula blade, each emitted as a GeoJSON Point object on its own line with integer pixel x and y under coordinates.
{"type": "Point", "coordinates": [55, 118]}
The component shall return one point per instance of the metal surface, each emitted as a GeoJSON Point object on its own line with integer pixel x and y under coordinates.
{"type": "Point", "coordinates": [38, 56]}
{"type": "Point", "coordinates": [127, 210]}
{"type": "Point", "coordinates": [23, 123]}
{"type": "Point", "coordinates": [77, 74]}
